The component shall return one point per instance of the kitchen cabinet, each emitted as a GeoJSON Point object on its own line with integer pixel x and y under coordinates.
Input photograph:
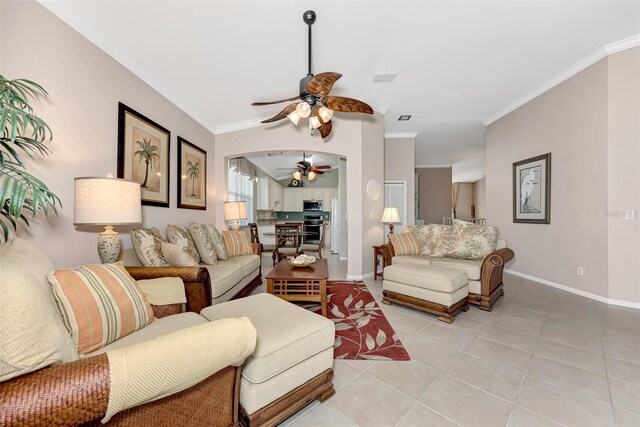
{"type": "Point", "coordinates": [293, 199]}
{"type": "Point", "coordinates": [270, 195]}
{"type": "Point", "coordinates": [313, 194]}
{"type": "Point", "coordinates": [327, 195]}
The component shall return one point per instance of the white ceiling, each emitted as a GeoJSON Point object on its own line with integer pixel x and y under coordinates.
{"type": "Point", "coordinates": [459, 63]}
{"type": "Point", "coordinates": [288, 159]}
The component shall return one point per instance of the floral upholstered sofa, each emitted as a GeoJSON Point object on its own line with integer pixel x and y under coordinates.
{"type": "Point", "coordinates": [474, 249]}
{"type": "Point", "coordinates": [227, 260]}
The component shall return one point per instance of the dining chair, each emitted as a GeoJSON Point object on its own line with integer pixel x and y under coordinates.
{"type": "Point", "coordinates": [309, 247]}
{"type": "Point", "coordinates": [287, 241]}
{"type": "Point", "coordinates": [255, 238]}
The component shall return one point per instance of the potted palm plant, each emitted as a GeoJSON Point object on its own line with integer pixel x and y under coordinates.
{"type": "Point", "coordinates": [23, 133]}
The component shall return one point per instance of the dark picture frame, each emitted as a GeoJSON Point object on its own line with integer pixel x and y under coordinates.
{"type": "Point", "coordinates": [532, 190]}
{"type": "Point", "coordinates": [192, 176]}
{"type": "Point", "coordinates": [144, 149]}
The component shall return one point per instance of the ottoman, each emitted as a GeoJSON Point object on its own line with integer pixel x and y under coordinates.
{"type": "Point", "coordinates": [292, 364]}
{"type": "Point", "coordinates": [436, 290]}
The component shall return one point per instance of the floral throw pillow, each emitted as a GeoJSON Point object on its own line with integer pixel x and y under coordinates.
{"type": "Point", "coordinates": [178, 235]}
{"type": "Point", "coordinates": [422, 232]}
{"type": "Point", "coordinates": [472, 241]}
{"type": "Point", "coordinates": [204, 242]}
{"type": "Point", "coordinates": [218, 242]}
{"type": "Point", "coordinates": [439, 240]}
{"type": "Point", "coordinates": [147, 245]}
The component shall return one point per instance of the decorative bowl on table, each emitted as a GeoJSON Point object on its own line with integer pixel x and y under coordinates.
{"type": "Point", "coordinates": [302, 260]}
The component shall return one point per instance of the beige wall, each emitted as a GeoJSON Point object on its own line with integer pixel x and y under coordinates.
{"type": "Point", "coordinates": [590, 125]}
{"type": "Point", "coordinates": [399, 165]}
{"type": "Point", "coordinates": [624, 174]}
{"type": "Point", "coordinates": [435, 194]}
{"type": "Point", "coordinates": [85, 85]}
{"type": "Point", "coordinates": [349, 139]}
{"type": "Point", "coordinates": [479, 197]}
{"type": "Point", "coordinates": [465, 200]}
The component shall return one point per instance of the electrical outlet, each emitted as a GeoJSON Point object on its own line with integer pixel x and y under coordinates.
{"type": "Point", "coordinates": [629, 214]}
{"type": "Point", "coordinates": [286, 216]}
{"type": "Point", "coordinates": [580, 271]}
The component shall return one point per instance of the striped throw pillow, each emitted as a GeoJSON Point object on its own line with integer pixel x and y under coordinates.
{"type": "Point", "coordinates": [405, 243]}
{"type": "Point", "coordinates": [237, 243]}
{"type": "Point", "coordinates": [99, 304]}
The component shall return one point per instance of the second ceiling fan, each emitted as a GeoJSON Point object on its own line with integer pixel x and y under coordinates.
{"type": "Point", "coordinates": [316, 103]}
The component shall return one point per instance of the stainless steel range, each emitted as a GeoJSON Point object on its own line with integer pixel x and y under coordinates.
{"type": "Point", "coordinates": [312, 225]}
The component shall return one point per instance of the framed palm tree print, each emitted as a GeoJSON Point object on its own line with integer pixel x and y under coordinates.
{"type": "Point", "coordinates": [192, 176]}
{"type": "Point", "coordinates": [143, 155]}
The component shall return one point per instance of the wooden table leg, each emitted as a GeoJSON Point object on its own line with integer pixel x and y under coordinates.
{"type": "Point", "coordinates": [323, 297]}
{"type": "Point", "coordinates": [270, 286]}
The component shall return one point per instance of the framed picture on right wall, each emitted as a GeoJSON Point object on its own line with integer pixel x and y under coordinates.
{"type": "Point", "coordinates": [532, 190]}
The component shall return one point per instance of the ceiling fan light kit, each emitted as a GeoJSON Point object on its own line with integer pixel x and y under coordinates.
{"type": "Point", "coordinates": [316, 104]}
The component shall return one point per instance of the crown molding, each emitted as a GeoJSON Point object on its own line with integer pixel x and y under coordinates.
{"type": "Point", "coordinates": [233, 127]}
{"type": "Point", "coordinates": [395, 135]}
{"type": "Point", "coordinates": [73, 19]}
{"type": "Point", "coordinates": [432, 166]}
{"type": "Point", "coordinates": [591, 59]}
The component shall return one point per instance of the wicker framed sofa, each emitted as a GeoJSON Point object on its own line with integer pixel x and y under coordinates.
{"type": "Point", "coordinates": [226, 259]}
{"type": "Point", "coordinates": [465, 247]}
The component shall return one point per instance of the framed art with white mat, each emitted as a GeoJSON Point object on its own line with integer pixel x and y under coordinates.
{"type": "Point", "coordinates": [532, 190]}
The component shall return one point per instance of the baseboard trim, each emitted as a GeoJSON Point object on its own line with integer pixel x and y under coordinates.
{"type": "Point", "coordinates": [359, 276]}
{"type": "Point", "coordinates": [628, 304]}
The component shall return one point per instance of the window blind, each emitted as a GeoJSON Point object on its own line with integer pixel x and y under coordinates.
{"type": "Point", "coordinates": [240, 188]}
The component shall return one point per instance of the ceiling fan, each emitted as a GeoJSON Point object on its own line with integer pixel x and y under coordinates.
{"type": "Point", "coordinates": [307, 170]}
{"type": "Point", "coordinates": [314, 93]}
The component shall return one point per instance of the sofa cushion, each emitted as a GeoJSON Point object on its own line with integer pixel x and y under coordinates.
{"type": "Point", "coordinates": [405, 243]}
{"type": "Point", "coordinates": [238, 287]}
{"type": "Point", "coordinates": [177, 256]}
{"type": "Point", "coordinates": [99, 304]}
{"type": "Point", "coordinates": [204, 243]}
{"type": "Point", "coordinates": [223, 276]}
{"type": "Point", "coordinates": [178, 235]}
{"type": "Point", "coordinates": [218, 242]}
{"type": "Point", "coordinates": [147, 244]}
{"type": "Point", "coordinates": [237, 243]}
{"type": "Point", "coordinates": [475, 287]}
{"type": "Point", "coordinates": [248, 263]}
{"type": "Point", "coordinates": [426, 276]}
{"type": "Point", "coordinates": [472, 241]}
{"type": "Point", "coordinates": [279, 348]}
{"type": "Point", "coordinates": [159, 327]}
{"type": "Point", "coordinates": [32, 335]}
{"type": "Point", "coordinates": [473, 268]}
{"type": "Point", "coordinates": [415, 259]}
{"type": "Point", "coordinates": [439, 240]}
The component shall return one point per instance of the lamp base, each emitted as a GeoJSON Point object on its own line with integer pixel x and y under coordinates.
{"type": "Point", "coordinates": [108, 245]}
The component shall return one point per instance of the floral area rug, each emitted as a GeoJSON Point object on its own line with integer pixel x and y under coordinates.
{"type": "Point", "coordinates": [362, 330]}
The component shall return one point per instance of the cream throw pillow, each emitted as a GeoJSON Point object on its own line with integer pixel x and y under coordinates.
{"type": "Point", "coordinates": [204, 242]}
{"type": "Point", "coordinates": [178, 235]}
{"type": "Point", "coordinates": [32, 335]}
{"type": "Point", "coordinates": [218, 242]}
{"type": "Point", "coordinates": [472, 241]}
{"type": "Point", "coordinates": [177, 256]}
{"type": "Point", "coordinates": [147, 244]}
{"type": "Point", "coordinates": [99, 303]}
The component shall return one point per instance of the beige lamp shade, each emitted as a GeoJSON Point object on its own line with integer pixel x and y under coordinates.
{"type": "Point", "coordinates": [235, 211]}
{"type": "Point", "coordinates": [390, 215]}
{"type": "Point", "coordinates": [106, 201]}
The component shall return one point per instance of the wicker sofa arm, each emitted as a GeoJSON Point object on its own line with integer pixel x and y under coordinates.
{"type": "Point", "coordinates": [123, 385]}
{"type": "Point", "coordinates": [197, 284]}
{"type": "Point", "coordinates": [492, 268]}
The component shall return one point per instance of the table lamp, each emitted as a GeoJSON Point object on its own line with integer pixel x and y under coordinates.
{"type": "Point", "coordinates": [235, 211]}
{"type": "Point", "coordinates": [107, 201]}
{"type": "Point", "coordinates": [389, 216]}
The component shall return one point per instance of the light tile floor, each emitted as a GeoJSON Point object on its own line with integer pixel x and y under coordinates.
{"type": "Point", "coordinates": [542, 357]}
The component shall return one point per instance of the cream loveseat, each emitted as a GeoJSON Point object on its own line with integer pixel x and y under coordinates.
{"type": "Point", "coordinates": [229, 279]}
{"type": "Point", "coordinates": [485, 284]}
{"type": "Point", "coordinates": [44, 381]}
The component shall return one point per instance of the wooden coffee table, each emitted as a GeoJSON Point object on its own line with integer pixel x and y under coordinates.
{"type": "Point", "coordinates": [300, 283]}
